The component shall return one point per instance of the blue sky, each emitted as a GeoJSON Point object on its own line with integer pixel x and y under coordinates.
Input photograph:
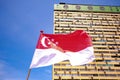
{"type": "Point", "coordinates": [20, 25]}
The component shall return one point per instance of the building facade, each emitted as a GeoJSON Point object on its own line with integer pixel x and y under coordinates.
{"type": "Point", "coordinates": [102, 23]}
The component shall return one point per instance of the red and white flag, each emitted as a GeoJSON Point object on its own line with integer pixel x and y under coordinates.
{"type": "Point", "coordinates": [54, 48]}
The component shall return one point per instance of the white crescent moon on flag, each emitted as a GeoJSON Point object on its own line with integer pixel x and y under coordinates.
{"type": "Point", "coordinates": [43, 41]}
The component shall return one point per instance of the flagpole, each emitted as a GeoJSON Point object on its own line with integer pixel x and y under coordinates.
{"type": "Point", "coordinates": [28, 74]}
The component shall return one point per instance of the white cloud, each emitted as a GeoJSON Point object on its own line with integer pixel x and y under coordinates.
{"type": "Point", "coordinates": [9, 73]}
{"type": "Point", "coordinates": [2, 65]}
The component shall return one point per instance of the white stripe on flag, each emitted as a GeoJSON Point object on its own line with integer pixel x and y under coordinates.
{"type": "Point", "coordinates": [46, 57]}
{"type": "Point", "coordinates": [81, 57]}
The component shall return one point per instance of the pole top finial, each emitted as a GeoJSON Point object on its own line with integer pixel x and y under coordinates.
{"type": "Point", "coordinates": [41, 31]}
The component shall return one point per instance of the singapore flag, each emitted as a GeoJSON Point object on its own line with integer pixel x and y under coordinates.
{"type": "Point", "coordinates": [54, 48]}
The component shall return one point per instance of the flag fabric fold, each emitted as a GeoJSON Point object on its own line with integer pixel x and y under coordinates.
{"type": "Point", "coordinates": [54, 48]}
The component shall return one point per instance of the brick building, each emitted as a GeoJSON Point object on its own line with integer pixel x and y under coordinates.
{"type": "Point", "coordinates": [102, 23]}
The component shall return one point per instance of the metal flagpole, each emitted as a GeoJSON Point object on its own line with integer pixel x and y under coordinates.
{"type": "Point", "coordinates": [28, 74]}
